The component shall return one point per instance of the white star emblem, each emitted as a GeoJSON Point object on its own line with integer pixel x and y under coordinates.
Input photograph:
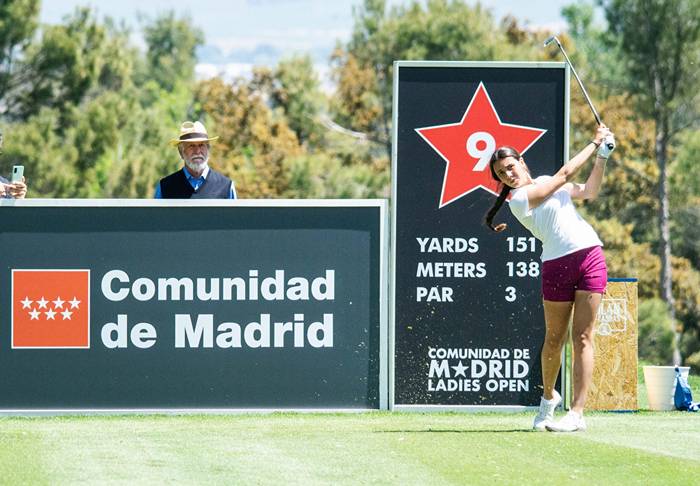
{"type": "Point", "coordinates": [50, 314]}
{"type": "Point", "coordinates": [35, 315]}
{"type": "Point", "coordinates": [58, 303]}
{"type": "Point", "coordinates": [459, 369]}
{"type": "Point", "coordinates": [66, 314]}
{"type": "Point", "coordinates": [42, 302]}
{"type": "Point", "coordinates": [74, 303]}
{"type": "Point", "coordinates": [26, 303]}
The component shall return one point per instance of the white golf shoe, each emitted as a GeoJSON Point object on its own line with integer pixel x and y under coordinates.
{"type": "Point", "coordinates": [545, 415]}
{"type": "Point", "coordinates": [571, 422]}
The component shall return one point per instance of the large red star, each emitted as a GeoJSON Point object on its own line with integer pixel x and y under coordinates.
{"type": "Point", "coordinates": [467, 146]}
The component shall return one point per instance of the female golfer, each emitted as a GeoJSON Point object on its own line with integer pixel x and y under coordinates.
{"type": "Point", "coordinates": [574, 274]}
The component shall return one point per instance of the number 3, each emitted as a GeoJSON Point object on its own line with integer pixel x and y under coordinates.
{"type": "Point", "coordinates": [484, 155]}
{"type": "Point", "coordinates": [510, 294]}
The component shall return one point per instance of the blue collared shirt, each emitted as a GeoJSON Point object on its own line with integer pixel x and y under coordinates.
{"type": "Point", "coordinates": [195, 182]}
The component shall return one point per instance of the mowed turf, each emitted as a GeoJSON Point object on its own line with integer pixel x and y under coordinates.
{"type": "Point", "coordinates": [364, 448]}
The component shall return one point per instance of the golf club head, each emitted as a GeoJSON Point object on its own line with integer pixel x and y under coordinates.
{"type": "Point", "coordinates": [550, 40]}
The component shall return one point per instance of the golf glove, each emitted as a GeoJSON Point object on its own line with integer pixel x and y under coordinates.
{"type": "Point", "coordinates": [607, 147]}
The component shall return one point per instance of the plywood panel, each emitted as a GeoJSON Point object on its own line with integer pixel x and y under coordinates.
{"type": "Point", "coordinates": [615, 373]}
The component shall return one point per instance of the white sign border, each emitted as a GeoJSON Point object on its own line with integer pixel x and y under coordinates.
{"type": "Point", "coordinates": [394, 211]}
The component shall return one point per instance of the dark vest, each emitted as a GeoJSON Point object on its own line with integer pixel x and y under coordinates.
{"type": "Point", "coordinates": [176, 186]}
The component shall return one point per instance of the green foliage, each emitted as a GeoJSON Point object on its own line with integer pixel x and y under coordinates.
{"type": "Point", "coordinates": [89, 115]}
{"type": "Point", "coordinates": [595, 53]}
{"type": "Point", "coordinates": [685, 171]}
{"type": "Point", "coordinates": [50, 161]}
{"type": "Point", "coordinates": [655, 334]}
{"type": "Point", "coordinates": [69, 63]}
{"type": "Point", "coordinates": [92, 127]}
{"type": "Point", "coordinates": [626, 258]}
{"type": "Point", "coordinates": [432, 30]}
{"type": "Point", "coordinates": [324, 176]}
{"type": "Point", "coordinates": [657, 45]}
{"type": "Point", "coordinates": [685, 198]}
{"type": "Point", "coordinates": [171, 54]}
{"type": "Point", "coordinates": [690, 346]}
{"type": "Point", "coordinates": [694, 362]}
{"type": "Point", "coordinates": [630, 189]}
{"type": "Point", "coordinates": [686, 233]}
{"type": "Point", "coordinates": [297, 90]}
{"type": "Point", "coordinates": [255, 139]}
{"type": "Point", "coordinates": [18, 21]}
{"type": "Point", "coordinates": [659, 40]}
{"type": "Point", "coordinates": [64, 66]}
{"type": "Point", "coordinates": [686, 289]}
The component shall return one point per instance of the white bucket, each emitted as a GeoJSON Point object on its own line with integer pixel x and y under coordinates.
{"type": "Point", "coordinates": [661, 385]}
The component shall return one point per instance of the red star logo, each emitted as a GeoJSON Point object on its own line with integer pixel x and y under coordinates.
{"type": "Point", "coordinates": [467, 146]}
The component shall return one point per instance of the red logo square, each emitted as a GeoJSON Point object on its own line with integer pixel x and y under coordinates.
{"type": "Point", "coordinates": [50, 308]}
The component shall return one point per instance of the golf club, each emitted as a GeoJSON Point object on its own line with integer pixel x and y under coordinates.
{"type": "Point", "coordinates": [573, 70]}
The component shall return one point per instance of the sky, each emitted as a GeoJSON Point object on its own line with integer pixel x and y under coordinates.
{"type": "Point", "coordinates": [240, 33]}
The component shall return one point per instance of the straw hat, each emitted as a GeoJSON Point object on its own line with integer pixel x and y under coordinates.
{"type": "Point", "coordinates": [192, 132]}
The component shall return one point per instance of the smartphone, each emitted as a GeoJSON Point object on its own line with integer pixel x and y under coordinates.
{"type": "Point", "coordinates": [17, 173]}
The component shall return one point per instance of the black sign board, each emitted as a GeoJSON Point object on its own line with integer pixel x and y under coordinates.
{"type": "Point", "coordinates": [169, 305]}
{"type": "Point", "coordinates": [467, 311]}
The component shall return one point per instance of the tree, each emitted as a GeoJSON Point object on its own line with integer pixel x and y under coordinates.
{"type": "Point", "coordinates": [630, 179]}
{"type": "Point", "coordinates": [431, 30]}
{"type": "Point", "coordinates": [18, 22]}
{"type": "Point", "coordinates": [660, 42]}
{"type": "Point", "coordinates": [50, 160]}
{"type": "Point", "coordinates": [294, 88]}
{"type": "Point", "coordinates": [86, 125]}
{"type": "Point", "coordinates": [70, 62]}
{"type": "Point", "coordinates": [172, 45]}
{"type": "Point", "coordinates": [254, 140]}
{"type": "Point", "coordinates": [595, 54]}
{"type": "Point", "coordinates": [685, 198]}
{"type": "Point", "coordinates": [298, 91]}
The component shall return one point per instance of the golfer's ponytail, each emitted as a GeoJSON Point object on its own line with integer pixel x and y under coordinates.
{"type": "Point", "coordinates": [499, 154]}
{"type": "Point", "coordinates": [505, 190]}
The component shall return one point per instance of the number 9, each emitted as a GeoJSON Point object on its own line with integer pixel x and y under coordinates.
{"type": "Point", "coordinates": [484, 155]}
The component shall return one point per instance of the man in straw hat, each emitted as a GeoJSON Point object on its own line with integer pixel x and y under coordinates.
{"type": "Point", "coordinates": [195, 180]}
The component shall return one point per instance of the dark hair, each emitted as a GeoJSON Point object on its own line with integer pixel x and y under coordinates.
{"type": "Point", "coordinates": [499, 154]}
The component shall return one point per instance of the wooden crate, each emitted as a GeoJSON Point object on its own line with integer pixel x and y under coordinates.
{"type": "Point", "coordinates": [615, 373]}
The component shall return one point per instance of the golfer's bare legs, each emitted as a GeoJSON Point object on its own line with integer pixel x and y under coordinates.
{"type": "Point", "coordinates": [585, 311]}
{"type": "Point", "coordinates": [556, 316]}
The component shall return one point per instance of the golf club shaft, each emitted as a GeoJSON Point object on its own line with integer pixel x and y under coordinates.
{"type": "Point", "coordinates": [611, 146]}
{"type": "Point", "coordinates": [585, 93]}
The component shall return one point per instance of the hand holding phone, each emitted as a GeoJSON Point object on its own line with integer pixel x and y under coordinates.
{"type": "Point", "coordinates": [16, 189]}
{"type": "Point", "coordinates": [17, 173]}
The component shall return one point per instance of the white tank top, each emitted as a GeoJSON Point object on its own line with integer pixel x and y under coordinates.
{"type": "Point", "coordinates": [555, 222]}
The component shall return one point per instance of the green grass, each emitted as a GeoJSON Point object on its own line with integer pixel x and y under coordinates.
{"type": "Point", "coordinates": [371, 448]}
{"type": "Point", "coordinates": [364, 448]}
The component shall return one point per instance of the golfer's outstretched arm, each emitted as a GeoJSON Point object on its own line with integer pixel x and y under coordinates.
{"type": "Point", "coordinates": [591, 188]}
{"type": "Point", "coordinates": [537, 194]}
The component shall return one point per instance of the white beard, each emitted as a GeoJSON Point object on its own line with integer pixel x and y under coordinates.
{"type": "Point", "coordinates": [197, 167]}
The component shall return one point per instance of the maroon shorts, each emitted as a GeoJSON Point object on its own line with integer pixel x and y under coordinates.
{"type": "Point", "coordinates": [582, 270]}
